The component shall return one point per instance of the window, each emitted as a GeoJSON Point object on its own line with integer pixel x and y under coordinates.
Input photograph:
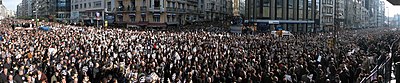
{"type": "Point", "coordinates": [143, 18]}
{"type": "Point", "coordinates": [144, 3]}
{"type": "Point", "coordinates": [109, 6]}
{"type": "Point", "coordinates": [132, 17]}
{"type": "Point", "coordinates": [157, 3]}
{"type": "Point", "coordinates": [97, 4]}
{"type": "Point", "coordinates": [76, 6]}
{"type": "Point", "coordinates": [84, 5]}
{"type": "Point", "coordinates": [120, 6]}
{"type": "Point", "coordinates": [290, 10]}
{"type": "Point", "coordinates": [156, 18]}
{"type": "Point", "coordinates": [317, 9]}
{"type": "Point", "coordinates": [120, 18]}
{"type": "Point", "coordinates": [133, 3]}
{"type": "Point", "coordinates": [266, 8]}
{"type": "Point", "coordinates": [309, 9]}
{"type": "Point", "coordinates": [90, 5]}
{"type": "Point", "coordinates": [80, 6]}
{"type": "Point", "coordinates": [279, 9]}
{"type": "Point", "coordinates": [301, 7]}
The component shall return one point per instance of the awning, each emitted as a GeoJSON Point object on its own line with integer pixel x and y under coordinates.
{"type": "Point", "coordinates": [394, 2]}
{"type": "Point", "coordinates": [131, 14]}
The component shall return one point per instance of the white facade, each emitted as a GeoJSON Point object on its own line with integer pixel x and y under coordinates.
{"type": "Point", "coordinates": [87, 9]}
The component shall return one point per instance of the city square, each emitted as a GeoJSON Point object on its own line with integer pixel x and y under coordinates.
{"type": "Point", "coordinates": [176, 41]}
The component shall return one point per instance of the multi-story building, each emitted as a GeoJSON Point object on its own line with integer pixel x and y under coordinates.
{"type": "Point", "coordinates": [291, 15]}
{"type": "Point", "coordinates": [381, 14]}
{"type": "Point", "coordinates": [2, 10]}
{"type": "Point", "coordinates": [162, 13]}
{"type": "Point", "coordinates": [328, 14]}
{"type": "Point", "coordinates": [54, 10]}
{"type": "Point", "coordinates": [89, 12]}
{"type": "Point", "coordinates": [339, 14]}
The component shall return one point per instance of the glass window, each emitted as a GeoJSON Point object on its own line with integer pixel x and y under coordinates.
{"type": "Point", "coordinates": [301, 4]}
{"type": "Point", "coordinates": [97, 4]}
{"type": "Point", "coordinates": [266, 3]}
{"type": "Point", "coordinates": [279, 9]}
{"type": "Point", "coordinates": [132, 17]}
{"type": "Point", "coordinates": [109, 6]}
{"type": "Point", "coordinates": [157, 3]}
{"type": "Point", "coordinates": [156, 18]}
{"type": "Point", "coordinates": [120, 18]}
{"type": "Point", "coordinates": [143, 18]}
{"type": "Point", "coordinates": [133, 3]}
{"type": "Point", "coordinates": [84, 6]}
{"type": "Point", "coordinates": [76, 6]}
{"type": "Point", "coordinates": [317, 9]}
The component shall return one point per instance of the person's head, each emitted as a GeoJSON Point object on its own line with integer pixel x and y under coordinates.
{"type": "Point", "coordinates": [5, 70]}
{"type": "Point", "coordinates": [21, 72]}
{"type": "Point", "coordinates": [10, 77]}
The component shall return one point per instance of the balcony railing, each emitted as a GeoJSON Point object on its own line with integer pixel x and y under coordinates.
{"type": "Point", "coordinates": [155, 9]}
{"type": "Point", "coordinates": [171, 9]}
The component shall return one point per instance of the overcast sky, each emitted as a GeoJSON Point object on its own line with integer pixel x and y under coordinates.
{"type": "Point", "coordinates": [391, 10]}
{"type": "Point", "coordinates": [11, 4]}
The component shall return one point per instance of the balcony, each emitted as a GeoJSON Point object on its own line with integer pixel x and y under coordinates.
{"type": "Point", "coordinates": [171, 9]}
{"type": "Point", "coordinates": [182, 11]}
{"type": "Point", "coordinates": [143, 8]}
{"type": "Point", "coordinates": [155, 9]}
{"type": "Point", "coordinates": [195, 1]}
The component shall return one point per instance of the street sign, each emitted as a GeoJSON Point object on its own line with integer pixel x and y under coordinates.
{"type": "Point", "coordinates": [273, 22]}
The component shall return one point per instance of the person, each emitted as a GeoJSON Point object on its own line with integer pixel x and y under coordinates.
{"type": "Point", "coordinates": [18, 78]}
{"type": "Point", "coordinates": [4, 75]}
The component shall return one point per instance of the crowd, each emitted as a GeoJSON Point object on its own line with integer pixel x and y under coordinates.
{"type": "Point", "coordinates": [71, 54]}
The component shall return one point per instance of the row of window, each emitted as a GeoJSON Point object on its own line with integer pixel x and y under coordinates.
{"type": "Point", "coordinates": [96, 4]}
{"type": "Point", "coordinates": [266, 9]}
{"type": "Point", "coordinates": [132, 18]}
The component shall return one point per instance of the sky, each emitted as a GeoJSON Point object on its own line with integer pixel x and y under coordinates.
{"type": "Point", "coordinates": [11, 4]}
{"type": "Point", "coordinates": [390, 10]}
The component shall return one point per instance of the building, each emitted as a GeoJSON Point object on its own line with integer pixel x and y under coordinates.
{"type": "Point", "coordinates": [238, 7]}
{"type": "Point", "coordinates": [381, 14]}
{"type": "Point", "coordinates": [88, 12]}
{"type": "Point", "coordinates": [62, 10]}
{"type": "Point", "coordinates": [24, 9]}
{"type": "Point", "coordinates": [328, 14]}
{"type": "Point", "coordinates": [3, 10]}
{"type": "Point", "coordinates": [339, 14]}
{"type": "Point", "coordinates": [296, 16]}
{"type": "Point", "coordinates": [163, 13]}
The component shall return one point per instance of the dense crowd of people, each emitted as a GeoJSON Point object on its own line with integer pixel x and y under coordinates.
{"type": "Point", "coordinates": [73, 54]}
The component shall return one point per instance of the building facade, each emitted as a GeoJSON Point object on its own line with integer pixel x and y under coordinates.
{"type": "Point", "coordinates": [88, 12]}
{"type": "Point", "coordinates": [339, 14]}
{"type": "Point", "coordinates": [162, 13]}
{"type": "Point", "coordinates": [291, 15]}
{"type": "Point", "coordinates": [328, 14]}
